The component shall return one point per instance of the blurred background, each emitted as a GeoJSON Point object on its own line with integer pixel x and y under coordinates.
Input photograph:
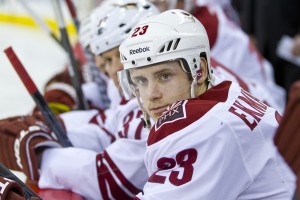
{"type": "Point", "coordinates": [39, 53]}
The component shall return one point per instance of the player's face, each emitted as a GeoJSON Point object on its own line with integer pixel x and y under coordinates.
{"type": "Point", "coordinates": [100, 63]}
{"type": "Point", "coordinates": [112, 64]}
{"type": "Point", "coordinates": [161, 85]}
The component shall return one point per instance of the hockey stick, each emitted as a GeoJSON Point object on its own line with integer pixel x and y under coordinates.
{"type": "Point", "coordinates": [6, 173]}
{"type": "Point", "coordinates": [45, 27]}
{"type": "Point", "coordinates": [40, 22]}
{"type": "Point", "coordinates": [38, 98]}
{"type": "Point", "coordinates": [85, 55]}
{"type": "Point", "coordinates": [73, 70]}
{"type": "Point", "coordinates": [73, 13]}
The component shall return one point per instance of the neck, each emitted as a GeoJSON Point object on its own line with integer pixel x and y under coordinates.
{"type": "Point", "coordinates": [200, 89]}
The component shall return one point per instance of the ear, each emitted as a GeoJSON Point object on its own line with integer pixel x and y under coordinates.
{"type": "Point", "coordinates": [203, 70]}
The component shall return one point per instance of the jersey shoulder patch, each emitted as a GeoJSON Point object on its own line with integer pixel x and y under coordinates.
{"type": "Point", "coordinates": [175, 112]}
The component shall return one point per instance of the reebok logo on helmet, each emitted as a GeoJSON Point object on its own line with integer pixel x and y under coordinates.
{"type": "Point", "coordinates": [139, 50]}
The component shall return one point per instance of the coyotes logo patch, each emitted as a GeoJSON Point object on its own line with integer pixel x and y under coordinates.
{"type": "Point", "coordinates": [175, 112]}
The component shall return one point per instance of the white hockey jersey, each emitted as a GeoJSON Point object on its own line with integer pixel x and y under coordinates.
{"type": "Point", "coordinates": [217, 146]}
{"type": "Point", "coordinates": [253, 87]}
{"type": "Point", "coordinates": [121, 170]}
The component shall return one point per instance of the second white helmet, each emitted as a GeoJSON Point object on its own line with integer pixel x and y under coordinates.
{"type": "Point", "coordinates": [114, 26]}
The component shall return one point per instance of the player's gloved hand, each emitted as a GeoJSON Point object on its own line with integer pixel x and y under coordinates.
{"type": "Point", "coordinates": [59, 92]}
{"type": "Point", "coordinates": [10, 190]}
{"type": "Point", "coordinates": [23, 139]}
{"type": "Point", "coordinates": [61, 97]}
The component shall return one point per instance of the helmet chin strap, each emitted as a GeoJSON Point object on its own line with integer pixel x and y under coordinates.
{"type": "Point", "coordinates": [193, 88]}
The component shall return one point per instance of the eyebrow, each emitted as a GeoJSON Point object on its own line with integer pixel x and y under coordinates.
{"type": "Point", "coordinates": [153, 74]}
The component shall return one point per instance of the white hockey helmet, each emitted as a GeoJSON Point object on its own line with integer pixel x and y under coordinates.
{"type": "Point", "coordinates": [116, 23]}
{"type": "Point", "coordinates": [87, 30]}
{"type": "Point", "coordinates": [171, 35]}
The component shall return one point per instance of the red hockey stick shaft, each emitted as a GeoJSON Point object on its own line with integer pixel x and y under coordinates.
{"type": "Point", "coordinates": [27, 81]}
{"type": "Point", "coordinates": [73, 13]}
{"type": "Point", "coordinates": [38, 98]}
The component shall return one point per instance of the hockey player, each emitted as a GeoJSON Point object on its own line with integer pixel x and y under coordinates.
{"type": "Point", "coordinates": [211, 139]}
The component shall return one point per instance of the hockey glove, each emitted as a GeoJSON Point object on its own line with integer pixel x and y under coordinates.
{"type": "Point", "coordinates": [22, 140]}
{"type": "Point", "coordinates": [61, 97]}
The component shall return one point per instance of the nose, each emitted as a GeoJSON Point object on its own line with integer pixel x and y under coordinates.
{"type": "Point", "coordinates": [153, 91]}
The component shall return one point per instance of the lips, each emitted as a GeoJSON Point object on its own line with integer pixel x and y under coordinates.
{"type": "Point", "coordinates": [158, 110]}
